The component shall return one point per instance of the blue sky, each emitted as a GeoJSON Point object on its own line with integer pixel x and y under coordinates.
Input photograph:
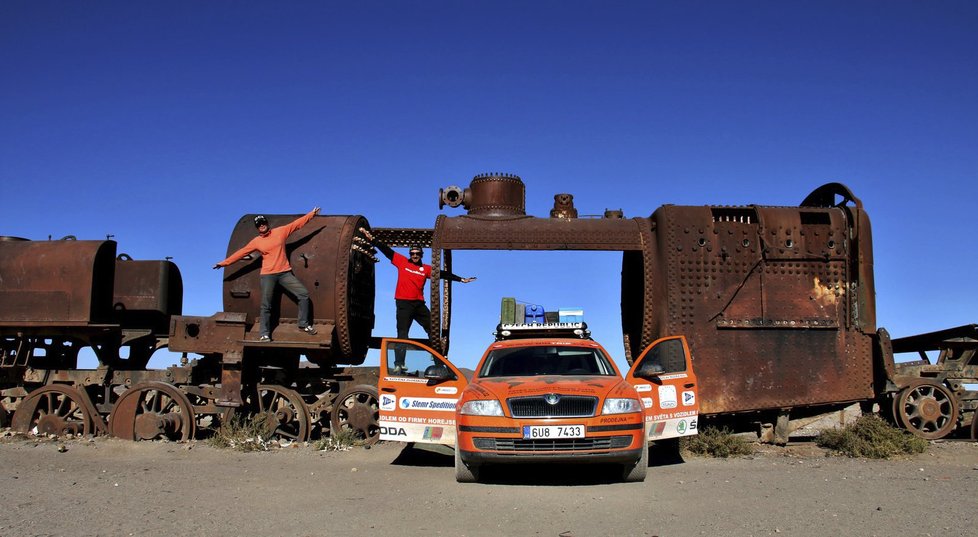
{"type": "Point", "coordinates": [161, 123]}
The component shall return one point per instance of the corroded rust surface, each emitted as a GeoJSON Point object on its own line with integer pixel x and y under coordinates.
{"type": "Point", "coordinates": [770, 301]}
{"type": "Point", "coordinates": [339, 278]}
{"type": "Point", "coordinates": [777, 304]}
{"type": "Point", "coordinates": [146, 293]}
{"type": "Point", "coordinates": [59, 282]}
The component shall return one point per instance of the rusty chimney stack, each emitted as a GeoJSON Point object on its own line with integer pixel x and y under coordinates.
{"type": "Point", "coordinates": [489, 194]}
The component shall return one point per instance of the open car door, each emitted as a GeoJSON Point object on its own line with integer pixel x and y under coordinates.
{"type": "Point", "coordinates": [418, 391]}
{"type": "Point", "coordinates": [664, 379]}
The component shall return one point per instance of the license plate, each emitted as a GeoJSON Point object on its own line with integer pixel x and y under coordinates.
{"type": "Point", "coordinates": [533, 432]}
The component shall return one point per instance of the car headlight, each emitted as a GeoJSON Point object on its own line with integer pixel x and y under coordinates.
{"type": "Point", "coordinates": [621, 406]}
{"type": "Point", "coordinates": [482, 407]}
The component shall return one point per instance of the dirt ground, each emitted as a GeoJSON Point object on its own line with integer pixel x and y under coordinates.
{"type": "Point", "coordinates": [111, 487]}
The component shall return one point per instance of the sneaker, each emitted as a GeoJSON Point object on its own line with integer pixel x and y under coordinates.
{"type": "Point", "coordinates": [309, 330]}
{"type": "Point", "coordinates": [399, 370]}
{"type": "Point", "coordinates": [264, 339]}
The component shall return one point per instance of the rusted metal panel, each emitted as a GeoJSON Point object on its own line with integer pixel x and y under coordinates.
{"type": "Point", "coordinates": [766, 298]}
{"type": "Point", "coordinates": [147, 293]}
{"type": "Point", "coordinates": [221, 333]}
{"type": "Point", "coordinates": [61, 282]}
{"type": "Point", "coordinates": [340, 281]}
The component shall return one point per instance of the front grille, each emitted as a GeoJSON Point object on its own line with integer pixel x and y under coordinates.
{"type": "Point", "coordinates": [569, 406]}
{"type": "Point", "coordinates": [518, 445]}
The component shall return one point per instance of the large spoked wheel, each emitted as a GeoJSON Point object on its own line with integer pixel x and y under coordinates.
{"type": "Point", "coordinates": [358, 410]}
{"type": "Point", "coordinates": [927, 410]}
{"type": "Point", "coordinates": [285, 414]}
{"type": "Point", "coordinates": [55, 409]}
{"type": "Point", "coordinates": [151, 410]}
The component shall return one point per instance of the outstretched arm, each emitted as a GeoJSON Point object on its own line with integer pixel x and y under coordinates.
{"type": "Point", "coordinates": [248, 248]}
{"type": "Point", "coordinates": [302, 220]}
{"type": "Point", "coordinates": [445, 275]}
{"type": "Point", "coordinates": [380, 245]}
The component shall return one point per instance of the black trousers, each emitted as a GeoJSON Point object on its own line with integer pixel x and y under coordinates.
{"type": "Point", "coordinates": [411, 310]}
{"type": "Point", "coordinates": [407, 312]}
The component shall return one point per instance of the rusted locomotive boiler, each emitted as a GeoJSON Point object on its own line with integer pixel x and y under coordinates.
{"type": "Point", "coordinates": [58, 297]}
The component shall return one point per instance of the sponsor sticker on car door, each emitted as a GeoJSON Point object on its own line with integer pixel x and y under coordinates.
{"type": "Point", "coordinates": [664, 379]}
{"type": "Point", "coordinates": [418, 390]}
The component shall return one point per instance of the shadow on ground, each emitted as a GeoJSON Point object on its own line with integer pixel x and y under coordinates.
{"type": "Point", "coordinates": [556, 474]}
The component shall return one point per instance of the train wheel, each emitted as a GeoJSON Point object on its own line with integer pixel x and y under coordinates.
{"type": "Point", "coordinates": [55, 409]}
{"type": "Point", "coordinates": [285, 413]}
{"type": "Point", "coordinates": [151, 410]}
{"type": "Point", "coordinates": [927, 409]}
{"type": "Point", "coordinates": [357, 409]}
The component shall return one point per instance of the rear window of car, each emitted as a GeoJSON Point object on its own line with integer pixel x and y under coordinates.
{"type": "Point", "coordinates": [546, 360]}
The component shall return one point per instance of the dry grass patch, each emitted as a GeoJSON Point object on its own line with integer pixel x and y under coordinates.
{"type": "Point", "coordinates": [872, 438]}
{"type": "Point", "coordinates": [714, 442]}
{"type": "Point", "coordinates": [242, 433]}
{"type": "Point", "coordinates": [341, 440]}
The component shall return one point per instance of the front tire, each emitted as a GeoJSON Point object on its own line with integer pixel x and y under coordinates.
{"type": "Point", "coordinates": [463, 472]}
{"type": "Point", "coordinates": [635, 472]}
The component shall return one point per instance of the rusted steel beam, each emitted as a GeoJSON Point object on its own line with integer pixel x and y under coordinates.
{"type": "Point", "coordinates": [403, 237]}
{"type": "Point", "coordinates": [531, 233]}
{"type": "Point", "coordinates": [960, 336]}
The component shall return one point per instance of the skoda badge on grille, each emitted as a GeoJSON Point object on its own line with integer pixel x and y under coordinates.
{"type": "Point", "coordinates": [551, 398]}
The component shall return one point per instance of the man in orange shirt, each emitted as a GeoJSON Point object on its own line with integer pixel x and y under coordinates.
{"type": "Point", "coordinates": [276, 270]}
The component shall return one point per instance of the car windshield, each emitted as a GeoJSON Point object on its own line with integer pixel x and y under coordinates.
{"type": "Point", "coordinates": [546, 360]}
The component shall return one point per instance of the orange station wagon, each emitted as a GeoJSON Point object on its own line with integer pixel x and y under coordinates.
{"type": "Point", "coordinates": [540, 393]}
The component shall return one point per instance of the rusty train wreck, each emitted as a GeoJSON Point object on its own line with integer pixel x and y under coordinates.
{"type": "Point", "coordinates": [777, 303]}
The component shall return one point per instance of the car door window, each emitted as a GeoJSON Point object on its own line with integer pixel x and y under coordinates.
{"type": "Point", "coordinates": [669, 355]}
{"type": "Point", "coordinates": [407, 360]}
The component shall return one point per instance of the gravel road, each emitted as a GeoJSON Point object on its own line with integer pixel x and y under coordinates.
{"type": "Point", "coordinates": [111, 487]}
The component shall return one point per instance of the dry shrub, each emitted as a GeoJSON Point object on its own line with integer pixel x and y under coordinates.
{"type": "Point", "coordinates": [340, 440]}
{"type": "Point", "coordinates": [871, 437]}
{"type": "Point", "coordinates": [242, 433]}
{"type": "Point", "coordinates": [714, 442]}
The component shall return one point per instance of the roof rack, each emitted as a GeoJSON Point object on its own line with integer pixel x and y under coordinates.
{"type": "Point", "coordinates": [522, 331]}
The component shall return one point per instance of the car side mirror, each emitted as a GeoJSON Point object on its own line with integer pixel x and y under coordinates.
{"type": "Point", "coordinates": [437, 373]}
{"type": "Point", "coordinates": [649, 370]}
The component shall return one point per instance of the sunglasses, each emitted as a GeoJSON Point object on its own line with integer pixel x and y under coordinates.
{"type": "Point", "coordinates": [419, 254]}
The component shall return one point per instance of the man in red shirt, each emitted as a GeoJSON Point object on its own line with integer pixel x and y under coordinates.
{"type": "Point", "coordinates": [276, 270]}
{"type": "Point", "coordinates": [409, 294]}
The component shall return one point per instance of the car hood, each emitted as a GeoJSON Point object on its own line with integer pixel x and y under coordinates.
{"type": "Point", "coordinates": [503, 388]}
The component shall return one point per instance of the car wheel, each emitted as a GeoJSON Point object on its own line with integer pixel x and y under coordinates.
{"type": "Point", "coordinates": [635, 472]}
{"type": "Point", "coordinates": [463, 472]}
